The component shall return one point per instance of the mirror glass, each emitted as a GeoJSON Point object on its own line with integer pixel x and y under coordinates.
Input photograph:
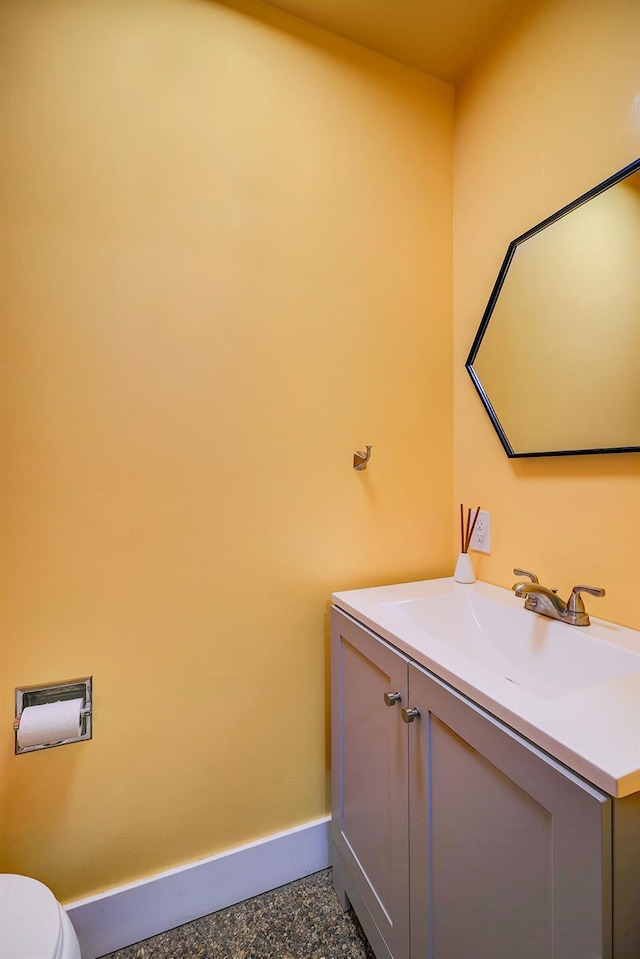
{"type": "Point", "coordinates": [556, 359]}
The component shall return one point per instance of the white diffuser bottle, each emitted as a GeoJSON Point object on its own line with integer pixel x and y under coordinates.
{"type": "Point", "coordinates": [464, 572]}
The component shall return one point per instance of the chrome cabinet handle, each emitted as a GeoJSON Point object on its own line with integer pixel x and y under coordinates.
{"type": "Point", "coordinates": [409, 715]}
{"type": "Point", "coordinates": [390, 699]}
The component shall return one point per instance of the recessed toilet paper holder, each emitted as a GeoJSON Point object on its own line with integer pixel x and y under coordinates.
{"type": "Point", "coordinates": [54, 693]}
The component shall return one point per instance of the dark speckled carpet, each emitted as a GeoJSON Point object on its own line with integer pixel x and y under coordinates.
{"type": "Point", "coordinates": [303, 920]}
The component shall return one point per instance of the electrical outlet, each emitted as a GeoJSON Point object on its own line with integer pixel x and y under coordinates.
{"type": "Point", "coordinates": [481, 539]}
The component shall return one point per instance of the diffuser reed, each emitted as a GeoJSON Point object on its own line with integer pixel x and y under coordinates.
{"type": "Point", "coordinates": [466, 530]}
{"type": "Point", "coordinates": [464, 567]}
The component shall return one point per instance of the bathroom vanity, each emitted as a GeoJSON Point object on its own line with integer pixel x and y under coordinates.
{"type": "Point", "coordinates": [486, 786]}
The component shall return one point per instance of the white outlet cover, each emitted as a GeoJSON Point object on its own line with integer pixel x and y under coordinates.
{"type": "Point", "coordinates": [481, 539]}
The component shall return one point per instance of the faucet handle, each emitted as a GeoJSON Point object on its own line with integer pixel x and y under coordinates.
{"type": "Point", "coordinates": [575, 604]}
{"type": "Point", "coordinates": [524, 572]}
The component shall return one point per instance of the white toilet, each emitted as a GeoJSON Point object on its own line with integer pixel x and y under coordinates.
{"type": "Point", "coordinates": [33, 924]}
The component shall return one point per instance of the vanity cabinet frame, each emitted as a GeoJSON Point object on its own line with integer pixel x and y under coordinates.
{"type": "Point", "coordinates": [454, 836]}
{"type": "Point", "coordinates": [370, 786]}
{"type": "Point", "coordinates": [522, 841]}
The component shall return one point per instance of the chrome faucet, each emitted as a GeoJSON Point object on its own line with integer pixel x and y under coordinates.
{"type": "Point", "coordinates": [540, 599]}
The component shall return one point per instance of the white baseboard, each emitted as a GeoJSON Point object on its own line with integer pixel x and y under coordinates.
{"type": "Point", "coordinates": [127, 914]}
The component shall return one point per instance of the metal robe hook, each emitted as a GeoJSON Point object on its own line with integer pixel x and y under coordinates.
{"type": "Point", "coordinates": [360, 459]}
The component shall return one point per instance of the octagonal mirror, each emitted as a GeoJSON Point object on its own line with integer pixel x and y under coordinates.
{"type": "Point", "coordinates": [556, 359]}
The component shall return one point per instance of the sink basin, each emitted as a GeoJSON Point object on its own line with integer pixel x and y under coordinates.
{"type": "Point", "coordinates": [573, 691]}
{"type": "Point", "coordinates": [544, 657]}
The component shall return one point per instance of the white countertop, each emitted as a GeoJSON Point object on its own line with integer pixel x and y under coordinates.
{"type": "Point", "coordinates": [593, 730]}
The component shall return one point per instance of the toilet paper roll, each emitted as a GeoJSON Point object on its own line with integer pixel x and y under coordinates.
{"type": "Point", "coordinates": [50, 723]}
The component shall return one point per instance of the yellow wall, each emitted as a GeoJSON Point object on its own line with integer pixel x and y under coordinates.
{"type": "Point", "coordinates": [550, 111]}
{"type": "Point", "coordinates": [226, 266]}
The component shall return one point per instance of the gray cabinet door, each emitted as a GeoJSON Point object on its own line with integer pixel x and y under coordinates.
{"type": "Point", "coordinates": [370, 781]}
{"type": "Point", "coordinates": [510, 852]}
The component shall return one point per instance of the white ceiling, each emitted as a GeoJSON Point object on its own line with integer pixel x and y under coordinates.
{"type": "Point", "coordinates": [439, 37]}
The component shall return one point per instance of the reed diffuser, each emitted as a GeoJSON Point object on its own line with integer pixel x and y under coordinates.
{"type": "Point", "coordinates": [464, 567]}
